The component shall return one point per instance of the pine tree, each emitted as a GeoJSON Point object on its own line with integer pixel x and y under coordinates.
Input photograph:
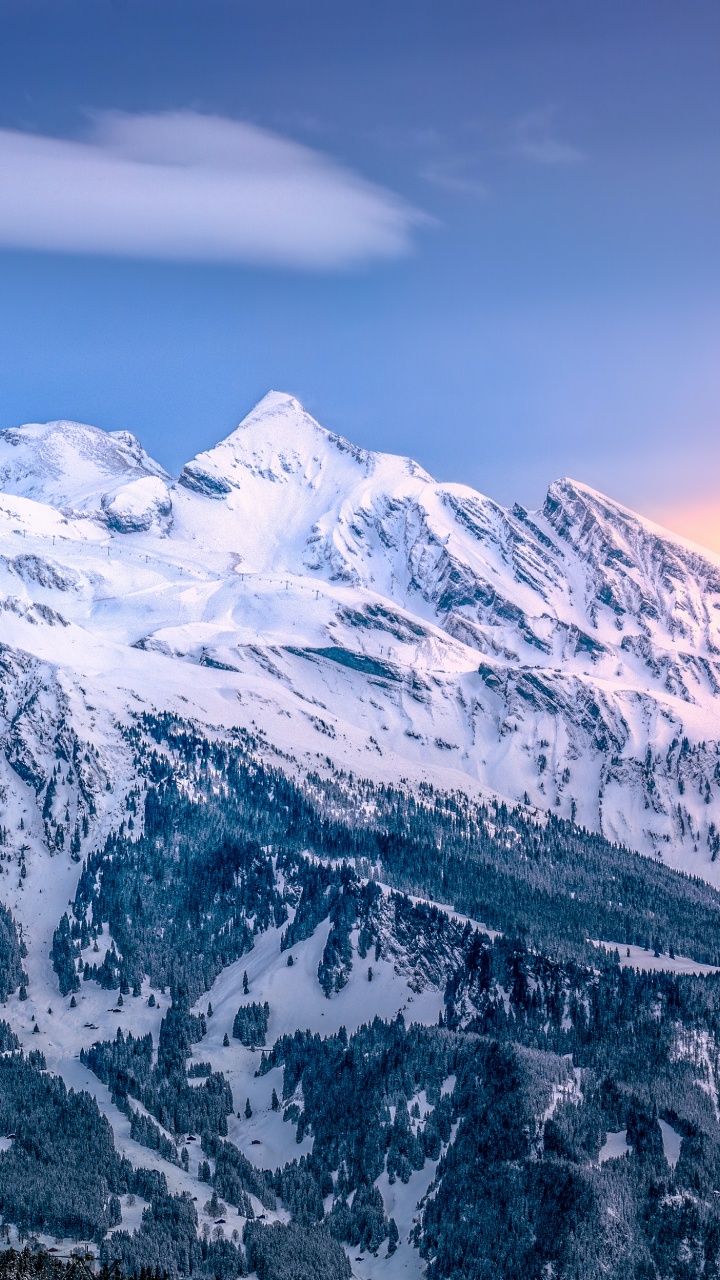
{"type": "Point", "coordinates": [248, 1110]}
{"type": "Point", "coordinates": [246, 984]}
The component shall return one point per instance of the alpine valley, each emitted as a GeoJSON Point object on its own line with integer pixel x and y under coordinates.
{"type": "Point", "coordinates": [359, 905]}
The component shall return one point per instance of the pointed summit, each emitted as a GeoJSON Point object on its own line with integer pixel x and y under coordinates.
{"type": "Point", "coordinates": [276, 404]}
{"type": "Point", "coordinates": [290, 494]}
{"type": "Point", "coordinates": [601, 528]}
{"type": "Point", "coordinates": [277, 439]}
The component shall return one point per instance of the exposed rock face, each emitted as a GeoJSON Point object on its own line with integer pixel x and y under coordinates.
{"type": "Point", "coordinates": [138, 506]}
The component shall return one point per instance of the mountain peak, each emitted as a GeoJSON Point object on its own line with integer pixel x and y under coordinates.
{"type": "Point", "coordinates": [540, 653]}
{"type": "Point", "coordinates": [576, 510]}
{"type": "Point", "coordinates": [277, 439]}
{"type": "Point", "coordinates": [279, 420]}
{"type": "Point", "coordinates": [274, 402]}
{"type": "Point", "coordinates": [70, 464]}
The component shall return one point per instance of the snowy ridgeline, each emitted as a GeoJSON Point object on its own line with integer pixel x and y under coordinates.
{"type": "Point", "coordinates": [358, 611]}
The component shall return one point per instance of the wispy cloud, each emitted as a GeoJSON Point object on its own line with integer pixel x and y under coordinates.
{"type": "Point", "coordinates": [186, 186]}
{"type": "Point", "coordinates": [534, 139]}
{"type": "Point", "coordinates": [456, 173]}
{"type": "Point", "coordinates": [468, 165]}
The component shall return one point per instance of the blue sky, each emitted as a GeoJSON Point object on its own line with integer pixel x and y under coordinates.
{"type": "Point", "coordinates": [485, 234]}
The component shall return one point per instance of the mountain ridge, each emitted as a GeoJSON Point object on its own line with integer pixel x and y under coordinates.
{"type": "Point", "coordinates": [537, 655]}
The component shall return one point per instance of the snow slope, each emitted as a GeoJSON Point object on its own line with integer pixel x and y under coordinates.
{"type": "Point", "coordinates": [48, 1022]}
{"type": "Point", "coordinates": [348, 605]}
{"type": "Point", "coordinates": [632, 957]}
{"type": "Point", "coordinates": [68, 464]}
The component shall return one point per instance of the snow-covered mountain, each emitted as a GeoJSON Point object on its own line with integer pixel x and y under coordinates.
{"type": "Point", "coordinates": [295, 601]}
{"type": "Point", "coordinates": [70, 465]}
{"type": "Point", "coordinates": [352, 607]}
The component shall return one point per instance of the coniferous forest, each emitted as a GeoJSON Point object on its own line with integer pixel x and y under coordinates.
{"type": "Point", "coordinates": [539, 1103]}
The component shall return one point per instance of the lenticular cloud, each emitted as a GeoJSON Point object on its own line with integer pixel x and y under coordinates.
{"type": "Point", "coordinates": [193, 187]}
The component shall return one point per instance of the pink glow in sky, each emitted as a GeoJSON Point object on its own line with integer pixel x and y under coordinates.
{"type": "Point", "coordinates": [698, 521]}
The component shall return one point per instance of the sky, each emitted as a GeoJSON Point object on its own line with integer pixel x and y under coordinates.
{"type": "Point", "coordinates": [483, 234]}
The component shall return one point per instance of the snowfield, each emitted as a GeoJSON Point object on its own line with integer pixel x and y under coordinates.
{"type": "Point", "coordinates": [639, 958]}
